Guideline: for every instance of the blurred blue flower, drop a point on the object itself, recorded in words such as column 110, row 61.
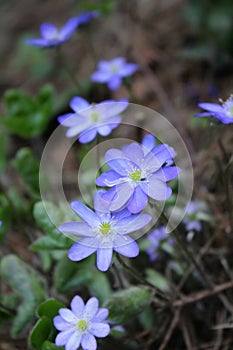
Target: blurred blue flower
column 112, row 72
column 81, row 324
column 136, row 174
column 88, row 120
column 191, row 221
column 52, row 36
column 155, row 238
column 223, row 112
column 102, row 232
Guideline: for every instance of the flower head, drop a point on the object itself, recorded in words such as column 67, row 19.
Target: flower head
column 103, row 231
column 192, row 218
column 112, row 72
column 135, row 174
column 52, row 36
column 88, row 120
column 223, row 112
column 81, row 324
column 155, row 238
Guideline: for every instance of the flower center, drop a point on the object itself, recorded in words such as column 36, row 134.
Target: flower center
column 105, row 228
column 135, row 175
column 114, row 69
column 82, row 325
column 94, row 117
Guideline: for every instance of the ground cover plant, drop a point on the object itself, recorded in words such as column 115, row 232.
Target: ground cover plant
column 116, row 201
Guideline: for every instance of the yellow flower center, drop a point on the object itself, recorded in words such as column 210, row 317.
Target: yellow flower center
column 105, row 228
column 82, row 325
column 94, row 116
column 135, row 175
column 114, row 69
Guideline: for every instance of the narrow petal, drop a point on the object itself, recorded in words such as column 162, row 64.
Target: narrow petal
column 158, row 189
column 104, row 129
column 74, row 341
column 77, row 306
column 167, row 173
column 138, row 201
column 88, row 342
column 101, row 315
column 63, row 337
column 86, row 214
column 78, row 104
column 107, row 109
column 130, row 250
column 117, row 161
column 104, row 258
column 132, row 223
column 38, row 42
column 128, row 69
column 100, row 330
column 87, row 136
column 66, row 118
column 148, row 142
column 48, row 31
column 76, row 228
column 77, row 129
column 123, row 193
column 134, row 153
column 68, row 29
column 100, row 205
column 79, row 252
column 211, row 107
column 100, row 76
column 108, row 178
column 115, row 82
column 67, row 315
column 91, row 308
column 60, row 324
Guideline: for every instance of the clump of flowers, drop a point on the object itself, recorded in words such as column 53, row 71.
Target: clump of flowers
column 112, row 72
column 103, row 232
column 81, row 324
column 88, row 120
column 135, row 174
column 52, row 36
column 195, row 212
column 223, row 112
column 155, row 238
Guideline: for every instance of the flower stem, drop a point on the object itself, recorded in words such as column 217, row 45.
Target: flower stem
column 228, row 189
column 140, row 278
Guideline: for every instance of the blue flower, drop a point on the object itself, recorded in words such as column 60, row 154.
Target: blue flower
column 135, row 174
column 102, row 232
column 88, row 120
column 223, row 112
column 191, row 219
column 155, row 238
column 52, row 36
column 81, row 324
column 112, row 72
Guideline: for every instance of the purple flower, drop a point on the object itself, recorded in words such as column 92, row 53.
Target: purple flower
column 224, row 112
column 155, row 238
column 81, row 324
column 112, row 72
column 136, row 174
column 191, row 220
column 102, row 232
column 0, row 223
column 52, row 36
column 88, row 120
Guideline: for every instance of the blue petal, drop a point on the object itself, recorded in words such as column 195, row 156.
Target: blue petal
column 100, row 77
column 128, row 69
column 48, row 31
column 74, row 341
column 132, row 223
column 88, row 342
column 167, row 173
column 91, row 308
column 77, row 306
column 211, row 107
column 101, row 315
column 148, row 142
column 158, row 189
column 63, row 337
column 76, row 228
column 108, row 178
column 138, row 201
column 68, row 29
column 60, row 324
column 100, row 330
column 79, row 252
column 104, row 258
column 78, row 104
column 130, row 250
column 104, row 129
column 123, row 193
column 67, row 315
column 38, row 42
column 114, row 82
column 134, row 153
column 87, row 136
column 85, row 213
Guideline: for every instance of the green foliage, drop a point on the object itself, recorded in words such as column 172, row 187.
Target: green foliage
column 104, row 6
column 158, row 280
column 28, row 117
column 3, row 150
column 27, row 285
column 28, row 167
column 5, row 216
column 44, row 331
column 54, row 239
column 126, row 304
column 77, row 275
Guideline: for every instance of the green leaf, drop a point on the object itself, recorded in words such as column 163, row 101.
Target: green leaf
column 126, row 304
column 3, row 150
column 40, row 333
column 83, row 273
column 158, row 280
column 28, row 167
column 5, row 315
column 28, row 117
column 50, row 346
column 49, row 308
column 5, row 216
column 27, row 284
column 55, row 238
